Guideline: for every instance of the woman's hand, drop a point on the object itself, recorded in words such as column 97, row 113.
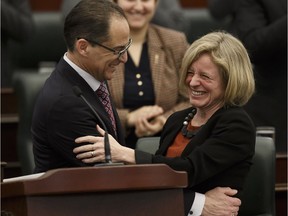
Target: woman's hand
column 149, row 128
column 145, row 112
column 95, row 151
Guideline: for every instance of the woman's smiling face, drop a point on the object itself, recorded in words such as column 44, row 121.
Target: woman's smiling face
column 139, row 13
column 206, row 89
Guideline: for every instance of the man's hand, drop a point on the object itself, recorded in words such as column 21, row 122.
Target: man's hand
column 219, row 202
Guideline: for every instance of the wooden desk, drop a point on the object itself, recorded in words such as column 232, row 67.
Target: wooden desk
column 115, row 190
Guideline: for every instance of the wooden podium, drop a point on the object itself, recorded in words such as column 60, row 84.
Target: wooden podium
column 137, row 190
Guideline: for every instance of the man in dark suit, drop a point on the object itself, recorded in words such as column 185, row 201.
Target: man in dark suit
column 97, row 38
column 97, row 43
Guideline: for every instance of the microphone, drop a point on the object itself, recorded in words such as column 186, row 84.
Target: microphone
column 108, row 161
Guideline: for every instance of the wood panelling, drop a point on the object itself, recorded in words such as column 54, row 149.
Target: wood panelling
column 50, row 5
column 281, row 184
column 9, row 126
column 281, row 202
column 281, row 168
column 8, row 101
column 54, row 5
column 193, row 3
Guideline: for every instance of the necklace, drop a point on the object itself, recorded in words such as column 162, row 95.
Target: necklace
column 188, row 118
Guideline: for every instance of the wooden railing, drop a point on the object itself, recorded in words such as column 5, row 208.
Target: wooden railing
column 54, row 5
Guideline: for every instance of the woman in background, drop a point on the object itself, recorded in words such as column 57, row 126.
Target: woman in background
column 146, row 87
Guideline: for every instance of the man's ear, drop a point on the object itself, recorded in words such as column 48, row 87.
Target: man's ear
column 82, row 46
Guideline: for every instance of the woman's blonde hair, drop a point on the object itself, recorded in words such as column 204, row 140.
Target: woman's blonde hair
column 232, row 59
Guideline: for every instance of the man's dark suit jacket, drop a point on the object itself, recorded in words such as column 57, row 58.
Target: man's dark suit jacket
column 60, row 117
column 220, row 154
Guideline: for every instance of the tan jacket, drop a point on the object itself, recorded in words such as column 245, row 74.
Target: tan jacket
column 166, row 49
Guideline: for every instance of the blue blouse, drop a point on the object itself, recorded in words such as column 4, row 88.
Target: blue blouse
column 138, row 87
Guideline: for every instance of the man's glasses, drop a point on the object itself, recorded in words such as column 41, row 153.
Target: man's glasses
column 120, row 53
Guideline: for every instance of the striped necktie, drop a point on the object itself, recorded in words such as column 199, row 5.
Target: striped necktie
column 103, row 95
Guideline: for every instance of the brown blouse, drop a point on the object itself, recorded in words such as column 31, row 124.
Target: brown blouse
column 180, row 143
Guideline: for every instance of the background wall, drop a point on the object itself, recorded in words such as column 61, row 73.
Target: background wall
column 54, row 5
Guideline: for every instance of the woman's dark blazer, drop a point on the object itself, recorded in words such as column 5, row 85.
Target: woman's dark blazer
column 60, row 117
column 220, row 154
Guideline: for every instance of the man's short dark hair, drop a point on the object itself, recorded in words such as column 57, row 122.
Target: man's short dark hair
column 90, row 19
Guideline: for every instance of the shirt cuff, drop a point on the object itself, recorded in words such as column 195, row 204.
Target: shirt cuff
column 198, row 205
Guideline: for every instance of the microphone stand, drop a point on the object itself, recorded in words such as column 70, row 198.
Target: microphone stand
column 107, row 150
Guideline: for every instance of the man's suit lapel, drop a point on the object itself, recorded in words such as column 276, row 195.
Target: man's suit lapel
column 75, row 79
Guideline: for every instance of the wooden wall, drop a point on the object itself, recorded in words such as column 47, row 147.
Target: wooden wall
column 50, row 5
column 54, row 5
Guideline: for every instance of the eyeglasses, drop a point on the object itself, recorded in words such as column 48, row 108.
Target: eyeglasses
column 120, row 53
